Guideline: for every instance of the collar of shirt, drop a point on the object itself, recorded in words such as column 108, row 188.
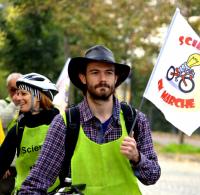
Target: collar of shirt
column 86, row 113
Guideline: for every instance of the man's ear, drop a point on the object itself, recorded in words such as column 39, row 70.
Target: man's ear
column 82, row 78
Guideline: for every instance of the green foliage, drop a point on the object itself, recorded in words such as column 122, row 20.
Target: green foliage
column 3, row 92
column 32, row 39
column 181, row 149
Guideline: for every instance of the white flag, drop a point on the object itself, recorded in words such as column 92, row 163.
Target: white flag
column 174, row 85
column 63, row 82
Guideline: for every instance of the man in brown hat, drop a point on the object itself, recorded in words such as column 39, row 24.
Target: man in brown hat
column 105, row 158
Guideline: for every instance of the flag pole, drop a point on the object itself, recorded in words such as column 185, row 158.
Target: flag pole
column 135, row 119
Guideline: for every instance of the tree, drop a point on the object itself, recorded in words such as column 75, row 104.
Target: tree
column 32, row 39
column 120, row 25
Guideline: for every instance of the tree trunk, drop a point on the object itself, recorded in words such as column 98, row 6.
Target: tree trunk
column 181, row 138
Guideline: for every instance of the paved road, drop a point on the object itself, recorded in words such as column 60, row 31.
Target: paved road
column 179, row 177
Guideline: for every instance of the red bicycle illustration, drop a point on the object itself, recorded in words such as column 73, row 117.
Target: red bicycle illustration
column 184, row 79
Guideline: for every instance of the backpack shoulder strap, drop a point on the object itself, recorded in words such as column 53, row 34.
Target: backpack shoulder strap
column 129, row 116
column 72, row 121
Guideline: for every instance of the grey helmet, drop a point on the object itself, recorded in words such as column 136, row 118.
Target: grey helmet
column 40, row 82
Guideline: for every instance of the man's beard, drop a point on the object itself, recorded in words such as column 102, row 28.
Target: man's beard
column 104, row 94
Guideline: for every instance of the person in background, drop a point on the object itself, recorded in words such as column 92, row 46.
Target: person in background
column 8, row 106
column 35, row 95
column 8, row 114
column 106, row 158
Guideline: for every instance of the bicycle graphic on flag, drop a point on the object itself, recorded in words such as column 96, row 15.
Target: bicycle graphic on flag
column 184, row 74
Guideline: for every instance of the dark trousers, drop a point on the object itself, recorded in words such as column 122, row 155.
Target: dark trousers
column 7, row 185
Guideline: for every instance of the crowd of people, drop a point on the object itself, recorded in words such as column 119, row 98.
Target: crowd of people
column 106, row 158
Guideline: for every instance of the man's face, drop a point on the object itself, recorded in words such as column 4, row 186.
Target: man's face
column 100, row 79
column 12, row 90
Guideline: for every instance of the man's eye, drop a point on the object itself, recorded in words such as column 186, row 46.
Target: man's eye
column 94, row 72
column 110, row 72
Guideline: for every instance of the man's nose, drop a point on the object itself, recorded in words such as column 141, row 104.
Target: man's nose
column 102, row 76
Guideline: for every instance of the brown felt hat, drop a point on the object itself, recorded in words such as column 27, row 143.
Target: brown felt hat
column 97, row 53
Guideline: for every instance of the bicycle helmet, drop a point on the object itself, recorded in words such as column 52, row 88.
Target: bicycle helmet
column 39, row 82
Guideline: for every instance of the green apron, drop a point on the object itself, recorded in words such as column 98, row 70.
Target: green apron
column 31, row 144
column 102, row 167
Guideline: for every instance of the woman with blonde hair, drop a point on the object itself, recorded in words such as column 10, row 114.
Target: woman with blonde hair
column 35, row 95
